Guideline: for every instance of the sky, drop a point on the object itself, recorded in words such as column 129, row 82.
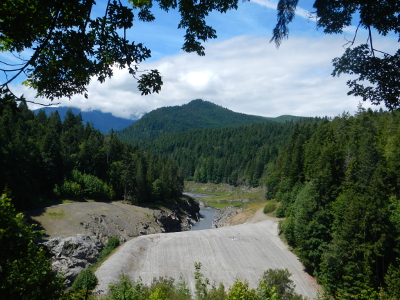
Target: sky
column 241, row 70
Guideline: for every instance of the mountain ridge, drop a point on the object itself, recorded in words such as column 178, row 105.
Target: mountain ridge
column 101, row 121
column 197, row 114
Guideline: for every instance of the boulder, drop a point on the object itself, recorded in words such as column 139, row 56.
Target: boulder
column 69, row 256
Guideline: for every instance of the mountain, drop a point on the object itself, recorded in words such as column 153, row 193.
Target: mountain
column 197, row 114
column 239, row 155
column 101, row 121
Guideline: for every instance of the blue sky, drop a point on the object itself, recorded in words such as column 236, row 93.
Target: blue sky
column 241, row 70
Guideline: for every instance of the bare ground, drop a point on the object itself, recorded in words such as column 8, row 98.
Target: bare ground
column 253, row 214
column 235, row 252
column 94, row 218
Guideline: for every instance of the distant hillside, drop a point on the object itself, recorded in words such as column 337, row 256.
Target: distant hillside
column 197, row 114
column 101, row 121
column 286, row 118
column 240, row 155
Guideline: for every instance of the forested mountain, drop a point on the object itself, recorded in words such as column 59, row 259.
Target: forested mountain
column 242, row 155
column 101, row 121
column 339, row 189
column 337, row 181
column 196, row 114
column 42, row 157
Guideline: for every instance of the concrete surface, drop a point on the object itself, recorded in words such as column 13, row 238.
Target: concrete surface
column 236, row 252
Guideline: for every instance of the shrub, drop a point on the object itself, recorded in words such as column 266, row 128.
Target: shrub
column 93, row 186
column 240, row 290
column 269, row 207
column 86, row 281
column 158, row 294
column 112, row 244
column 84, row 185
column 279, row 279
column 71, row 189
column 165, row 288
column 123, row 290
column 25, row 271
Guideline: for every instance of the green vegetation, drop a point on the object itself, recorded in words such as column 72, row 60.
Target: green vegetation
column 222, row 204
column 85, row 282
column 195, row 115
column 243, row 155
column 377, row 70
column 274, row 285
column 56, row 214
column 61, row 47
column 44, row 158
column 238, row 201
column 210, row 188
column 269, row 207
column 109, row 248
column 223, row 195
column 338, row 187
column 337, row 180
column 25, row 271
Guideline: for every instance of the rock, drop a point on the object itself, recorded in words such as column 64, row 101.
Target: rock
column 105, row 227
column 69, row 256
column 223, row 214
column 180, row 216
column 168, row 220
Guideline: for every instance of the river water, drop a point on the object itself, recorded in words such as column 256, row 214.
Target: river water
column 206, row 213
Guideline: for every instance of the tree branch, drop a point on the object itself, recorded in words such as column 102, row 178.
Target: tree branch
column 37, row 51
column 370, row 40
column 354, row 38
column 11, row 65
column 22, row 99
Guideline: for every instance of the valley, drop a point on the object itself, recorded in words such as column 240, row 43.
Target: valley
column 332, row 183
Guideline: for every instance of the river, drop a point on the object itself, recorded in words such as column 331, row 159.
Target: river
column 206, row 213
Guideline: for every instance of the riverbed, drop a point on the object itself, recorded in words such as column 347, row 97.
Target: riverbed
column 206, row 213
column 207, row 216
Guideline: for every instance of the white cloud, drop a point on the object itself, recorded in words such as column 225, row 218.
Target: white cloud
column 244, row 74
column 273, row 4
column 303, row 13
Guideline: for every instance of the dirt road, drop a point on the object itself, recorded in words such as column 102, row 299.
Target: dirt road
column 236, row 252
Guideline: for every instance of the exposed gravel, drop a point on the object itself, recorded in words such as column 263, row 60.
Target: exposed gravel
column 222, row 215
column 235, row 252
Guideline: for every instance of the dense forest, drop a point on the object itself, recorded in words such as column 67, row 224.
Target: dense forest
column 242, row 155
column 337, row 181
column 338, row 184
column 197, row 114
column 44, row 157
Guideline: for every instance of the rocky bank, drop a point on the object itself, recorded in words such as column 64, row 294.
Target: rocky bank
column 77, row 232
column 222, row 215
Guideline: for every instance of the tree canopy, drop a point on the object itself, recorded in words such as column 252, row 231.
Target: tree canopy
column 62, row 45
column 378, row 72
column 25, row 271
column 45, row 158
column 337, row 184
